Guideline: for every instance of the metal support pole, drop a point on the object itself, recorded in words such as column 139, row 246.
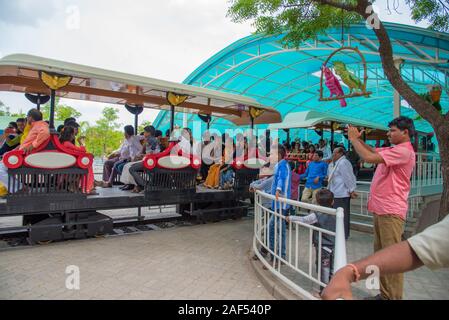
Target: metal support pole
column 139, row 213
column 172, row 119
column 136, row 123
column 332, row 136
column 52, row 109
column 38, row 105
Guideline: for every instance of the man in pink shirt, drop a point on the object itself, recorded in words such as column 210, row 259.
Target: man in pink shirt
column 390, row 188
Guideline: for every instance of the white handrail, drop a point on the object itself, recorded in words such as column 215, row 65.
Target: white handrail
column 294, row 252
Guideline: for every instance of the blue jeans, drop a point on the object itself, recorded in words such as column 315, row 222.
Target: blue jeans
column 225, row 176
column 281, row 227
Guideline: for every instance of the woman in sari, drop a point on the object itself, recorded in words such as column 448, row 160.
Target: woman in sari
column 66, row 138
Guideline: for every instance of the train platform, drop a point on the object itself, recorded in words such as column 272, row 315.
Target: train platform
column 176, row 261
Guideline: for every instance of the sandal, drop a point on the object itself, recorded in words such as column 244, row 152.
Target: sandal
column 136, row 190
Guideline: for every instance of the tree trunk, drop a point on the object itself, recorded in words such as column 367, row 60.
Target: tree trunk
column 439, row 123
column 443, row 142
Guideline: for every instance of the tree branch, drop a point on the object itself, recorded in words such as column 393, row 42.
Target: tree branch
column 338, row 5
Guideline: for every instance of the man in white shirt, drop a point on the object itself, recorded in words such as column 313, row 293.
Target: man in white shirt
column 128, row 151
column 327, row 152
column 342, row 183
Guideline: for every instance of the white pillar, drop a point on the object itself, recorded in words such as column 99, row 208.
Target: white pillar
column 184, row 119
column 396, row 96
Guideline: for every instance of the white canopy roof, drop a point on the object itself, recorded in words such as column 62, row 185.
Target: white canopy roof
column 20, row 73
column 309, row 119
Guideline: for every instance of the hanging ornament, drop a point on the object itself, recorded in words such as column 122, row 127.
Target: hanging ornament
column 357, row 88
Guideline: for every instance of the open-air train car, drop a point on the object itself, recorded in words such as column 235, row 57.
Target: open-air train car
column 51, row 180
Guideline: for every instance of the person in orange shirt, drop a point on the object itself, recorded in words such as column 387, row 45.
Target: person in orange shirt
column 38, row 134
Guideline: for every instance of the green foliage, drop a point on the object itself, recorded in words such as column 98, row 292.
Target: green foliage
column 62, row 111
column 300, row 19
column 436, row 12
column 305, row 19
column 104, row 137
column 5, row 112
column 143, row 125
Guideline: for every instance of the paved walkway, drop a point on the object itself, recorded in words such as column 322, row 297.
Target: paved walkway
column 195, row 262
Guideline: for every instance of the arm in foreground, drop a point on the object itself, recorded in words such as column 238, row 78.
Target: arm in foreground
column 398, row 258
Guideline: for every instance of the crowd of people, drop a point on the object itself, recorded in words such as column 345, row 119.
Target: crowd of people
column 329, row 176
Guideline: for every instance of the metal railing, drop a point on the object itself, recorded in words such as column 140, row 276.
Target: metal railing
column 297, row 257
column 361, row 208
column 427, row 173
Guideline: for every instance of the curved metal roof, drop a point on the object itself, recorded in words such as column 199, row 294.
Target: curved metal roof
column 287, row 79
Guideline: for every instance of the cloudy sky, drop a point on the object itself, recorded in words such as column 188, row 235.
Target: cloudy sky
column 165, row 39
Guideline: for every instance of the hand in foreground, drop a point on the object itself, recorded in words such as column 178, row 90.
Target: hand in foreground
column 354, row 133
column 354, row 195
column 340, row 286
column 27, row 150
column 316, row 180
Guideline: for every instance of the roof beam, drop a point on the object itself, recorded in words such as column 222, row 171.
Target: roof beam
column 36, row 86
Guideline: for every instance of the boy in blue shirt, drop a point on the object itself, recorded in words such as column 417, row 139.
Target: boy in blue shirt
column 315, row 174
column 281, row 187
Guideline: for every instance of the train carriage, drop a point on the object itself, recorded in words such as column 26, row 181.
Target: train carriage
column 48, row 185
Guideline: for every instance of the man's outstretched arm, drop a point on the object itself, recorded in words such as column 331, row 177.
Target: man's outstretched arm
column 398, row 258
column 365, row 152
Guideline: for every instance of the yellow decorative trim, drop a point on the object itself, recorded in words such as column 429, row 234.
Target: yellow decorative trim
column 54, row 81
column 175, row 99
column 255, row 112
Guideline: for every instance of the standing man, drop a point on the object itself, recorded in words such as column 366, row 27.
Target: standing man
column 342, row 183
column 315, row 174
column 388, row 200
column 280, row 187
column 327, row 152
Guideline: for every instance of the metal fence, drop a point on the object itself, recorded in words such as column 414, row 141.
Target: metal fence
column 297, row 264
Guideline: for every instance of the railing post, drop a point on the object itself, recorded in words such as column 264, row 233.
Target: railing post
column 340, row 241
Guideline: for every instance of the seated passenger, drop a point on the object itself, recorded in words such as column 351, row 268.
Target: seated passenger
column 226, row 177
column 129, row 149
column 66, row 138
column 38, row 134
column 11, row 138
column 151, row 145
column 187, row 145
column 220, row 173
column 75, row 127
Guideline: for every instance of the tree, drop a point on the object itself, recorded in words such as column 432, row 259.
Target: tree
column 62, row 111
column 103, row 138
column 4, row 110
column 143, row 125
column 303, row 19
